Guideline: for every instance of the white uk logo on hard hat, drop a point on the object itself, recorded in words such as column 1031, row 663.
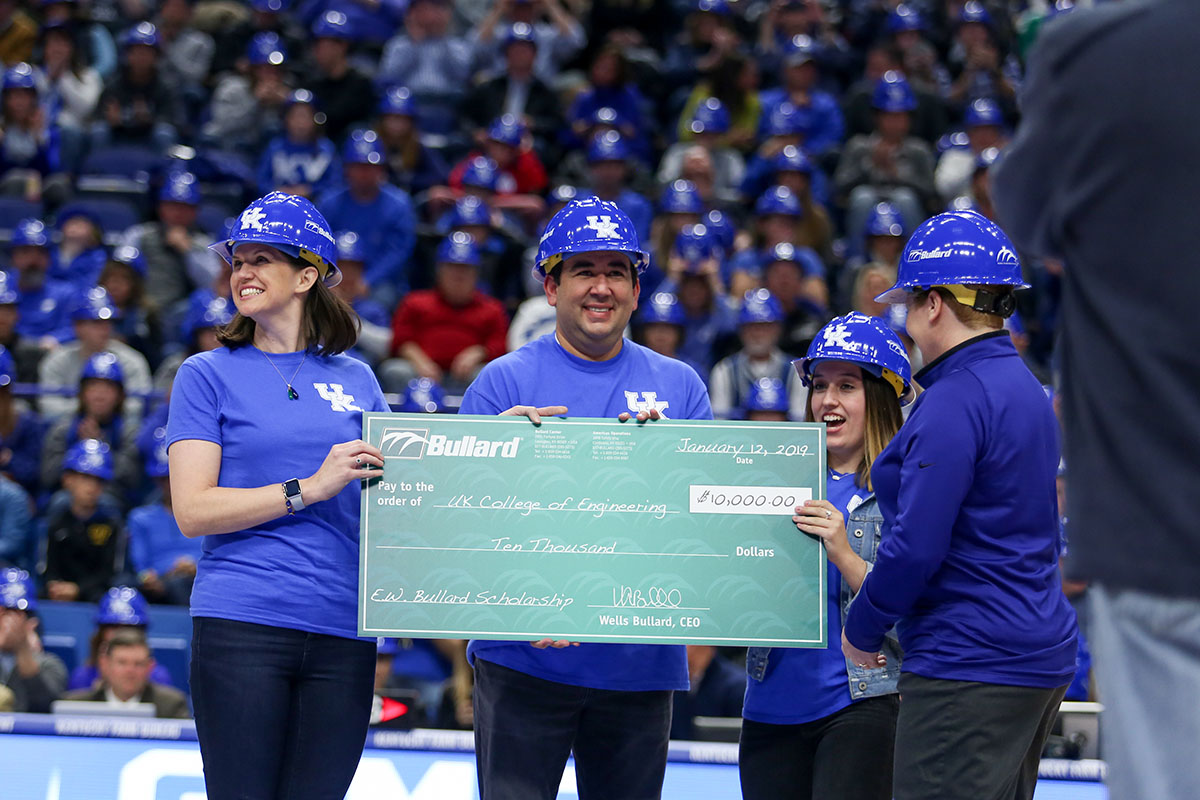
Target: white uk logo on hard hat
column 604, row 227
column 837, row 336
column 252, row 218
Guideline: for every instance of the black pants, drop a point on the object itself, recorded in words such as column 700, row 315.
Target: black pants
column 845, row 756
column 281, row 714
column 526, row 728
column 975, row 741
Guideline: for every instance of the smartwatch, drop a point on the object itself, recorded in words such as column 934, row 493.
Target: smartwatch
column 292, row 496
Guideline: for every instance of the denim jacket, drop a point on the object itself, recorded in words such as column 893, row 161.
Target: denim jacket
column 864, row 530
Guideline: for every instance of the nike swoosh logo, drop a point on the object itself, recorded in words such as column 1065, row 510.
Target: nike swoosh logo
column 924, row 464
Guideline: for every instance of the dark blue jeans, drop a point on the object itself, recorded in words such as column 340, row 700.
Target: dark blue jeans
column 526, row 728
column 280, row 713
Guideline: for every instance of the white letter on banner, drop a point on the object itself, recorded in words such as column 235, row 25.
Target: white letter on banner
column 139, row 778
column 444, row 780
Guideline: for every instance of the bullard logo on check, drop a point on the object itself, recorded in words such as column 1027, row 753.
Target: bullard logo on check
column 416, row 443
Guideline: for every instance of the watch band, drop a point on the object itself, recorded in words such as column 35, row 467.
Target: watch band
column 292, row 496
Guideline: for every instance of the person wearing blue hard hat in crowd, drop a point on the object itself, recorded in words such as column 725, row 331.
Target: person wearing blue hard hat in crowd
column 610, row 172
column 89, row 38
column 871, row 274
column 44, row 303
column 817, row 724
column 381, row 214
column 500, row 246
column 520, row 174
column 263, row 16
column 137, row 320
column 679, row 205
column 187, row 52
column 793, row 169
column 301, row 160
column 248, row 103
column 930, row 117
column 612, row 99
column 139, row 105
column 98, row 416
column 345, row 95
column 888, row 164
column 708, row 33
column 163, row 559
column 789, row 275
column 611, row 703
column 206, row 313
column 708, row 128
column 779, row 214
column 548, row 23
column 978, row 62
column 449, row 332
column 984, row 128
column 21, row 430
column 760, row 328
column 80, row 254
column 93, row 317
column 660, row 325
column 422, row 396
column 85, row 534
column 767, row 401
column 33, row 677
column 367, row 26
column 266, row 464
column 30, row 158
column 121, row 608
column 800, row 77
column 908, row 31
column 411, row 165
column 967, row 489
column 375, row 332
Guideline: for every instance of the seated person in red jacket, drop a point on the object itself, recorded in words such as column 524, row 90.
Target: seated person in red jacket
column 521, row 178
column 449, row 332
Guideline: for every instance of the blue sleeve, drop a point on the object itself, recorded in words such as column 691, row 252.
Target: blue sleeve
column 829, row 126
column 389, row 265
column 813, row 266
column 940, row 442
column 104, row 51
column 755, row 178
column 195, row 406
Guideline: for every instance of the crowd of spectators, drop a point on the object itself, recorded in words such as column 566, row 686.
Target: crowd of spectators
column 772, row 154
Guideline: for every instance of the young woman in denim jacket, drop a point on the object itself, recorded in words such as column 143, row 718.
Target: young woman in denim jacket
column 816, row 725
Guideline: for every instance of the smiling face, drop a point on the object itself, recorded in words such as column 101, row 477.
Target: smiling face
column 263, row 280
column 594, row 297
column 838, row 399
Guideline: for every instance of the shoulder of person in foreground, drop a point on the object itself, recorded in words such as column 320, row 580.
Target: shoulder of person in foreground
column 671, row 372
column 498, row 385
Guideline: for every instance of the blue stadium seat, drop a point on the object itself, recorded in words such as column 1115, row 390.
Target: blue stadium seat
column 124, row 161
column 15, row 209
column 65, row 646
column 173, row 653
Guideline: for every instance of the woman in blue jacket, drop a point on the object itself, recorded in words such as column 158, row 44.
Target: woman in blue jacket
column 817, row 725
column 968, row 570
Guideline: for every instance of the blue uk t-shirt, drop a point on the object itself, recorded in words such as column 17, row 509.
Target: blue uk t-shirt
column 543, row 373
column 805, row 685
column 296, row 571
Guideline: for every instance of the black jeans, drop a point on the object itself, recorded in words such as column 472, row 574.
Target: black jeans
column 847, row 755
column 526, row 728
column 969, row 740
column 280, row 713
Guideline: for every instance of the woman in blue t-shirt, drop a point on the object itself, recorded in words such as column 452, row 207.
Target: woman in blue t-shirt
column 265, row 463
column 815, row 724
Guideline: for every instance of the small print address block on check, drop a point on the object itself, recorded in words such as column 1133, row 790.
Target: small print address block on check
column 669, row 532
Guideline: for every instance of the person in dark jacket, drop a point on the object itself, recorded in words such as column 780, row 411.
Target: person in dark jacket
column 125, row 666
column 968, row 566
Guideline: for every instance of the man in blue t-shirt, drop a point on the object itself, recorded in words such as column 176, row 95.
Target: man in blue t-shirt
column 610, row 703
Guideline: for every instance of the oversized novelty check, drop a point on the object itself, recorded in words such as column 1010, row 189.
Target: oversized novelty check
column 592, row 531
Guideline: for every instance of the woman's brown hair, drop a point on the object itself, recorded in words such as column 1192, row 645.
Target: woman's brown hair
column 883, row 420
column 329, row 325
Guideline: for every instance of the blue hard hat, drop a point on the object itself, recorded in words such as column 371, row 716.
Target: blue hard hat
column 955, row 248
column 792, row 159
column 30, row 232
column 588, row 225
column 157, row 463
column 363, row 147
column 398, row 100
column 10, row 295
column 784, row 251
column 481, row 172
column 423, row 396
column 720, row 228
column 718, row 7
column 779, row 200
column 180, row 187
column 885, row 220
column 71, row 211
column 681, row 197
column 904, row 18
column 696, row 244
column 300, row 97
column 563, row 193
column 19, row 76
column 267, row 48
column 470, row 210
column 1059, row 7
column 974, row 11
column 767, row 394
column 210, row 312
column 331, row 25
column 350, row 247
column 608, row 146
column 861, row 340
column 131, row 257
column 893, row 93
column 664, row 308
column 17, row 591
column 90, row 457
column 142, row 33
column 103, row 366
column 94, row 303
column 987, row 156
column 759, row 305
column 800, row 49
column 710, row 116
column 290, row 224
column 519, row 32
column 123, row 605
column 271, row 6
column 8, row 368
column 785, row 119
column 983, row 111
column 507, row 129
column 458, row 248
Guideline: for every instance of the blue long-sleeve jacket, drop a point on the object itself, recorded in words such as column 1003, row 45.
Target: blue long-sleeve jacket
column 386, row 227
column 968, row 566
column 286, row 163
column 825, row 126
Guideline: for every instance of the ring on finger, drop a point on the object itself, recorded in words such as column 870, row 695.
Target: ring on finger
column 828, row 514
column 358, row 460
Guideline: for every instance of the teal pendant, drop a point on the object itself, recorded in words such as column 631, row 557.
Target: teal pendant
column 292, row 395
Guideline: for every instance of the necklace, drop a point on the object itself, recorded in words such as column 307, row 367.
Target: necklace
column 292, row 393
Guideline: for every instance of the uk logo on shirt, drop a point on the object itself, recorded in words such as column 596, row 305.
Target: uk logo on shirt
column 649, row 402
column 338, row 399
